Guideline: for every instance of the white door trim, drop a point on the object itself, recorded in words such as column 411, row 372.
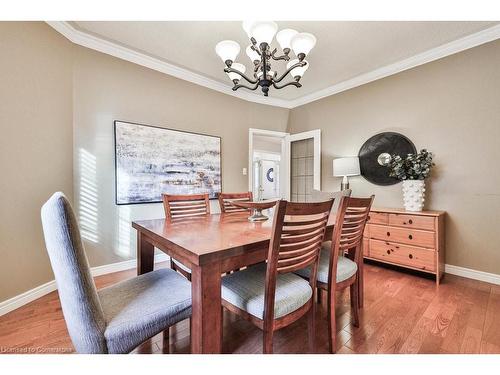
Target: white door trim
column 285, row 158
column 316, row 135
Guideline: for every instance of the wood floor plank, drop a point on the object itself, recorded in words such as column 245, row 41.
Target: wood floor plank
column 403, row 313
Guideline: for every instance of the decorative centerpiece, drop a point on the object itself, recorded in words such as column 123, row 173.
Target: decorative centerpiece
column 256, row 208
column 412, row 170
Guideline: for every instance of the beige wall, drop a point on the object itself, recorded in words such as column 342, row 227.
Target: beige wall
column 36, row 146
column 450, row 106
column 58, row 102
column 108, row 89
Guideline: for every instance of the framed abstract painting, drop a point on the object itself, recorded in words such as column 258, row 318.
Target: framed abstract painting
column 151, row 160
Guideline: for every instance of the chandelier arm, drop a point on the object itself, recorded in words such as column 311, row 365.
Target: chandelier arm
column 292, row 83
column 282, row 57
column 236, row 87
column 232, row 70
column 299, row 64
column 255, row 48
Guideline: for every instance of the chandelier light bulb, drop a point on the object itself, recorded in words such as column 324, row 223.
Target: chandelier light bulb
column 227, row 50
column 253, row 55
column 298, row 71
column 303, row 43
column 237, row 66
column 263, row 31
column 284, row 37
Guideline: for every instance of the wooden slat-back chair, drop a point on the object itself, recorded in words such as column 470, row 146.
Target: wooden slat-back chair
column 347, row 240
column 297, row 234
column 226, row 198
column 185, row 206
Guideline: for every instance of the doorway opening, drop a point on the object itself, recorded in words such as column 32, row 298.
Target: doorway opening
column 268, row 164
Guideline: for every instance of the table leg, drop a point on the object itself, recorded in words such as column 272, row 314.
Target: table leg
column 206, row 319
column 145, row 254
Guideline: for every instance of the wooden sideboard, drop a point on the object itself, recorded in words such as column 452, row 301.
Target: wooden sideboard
column 412, row 240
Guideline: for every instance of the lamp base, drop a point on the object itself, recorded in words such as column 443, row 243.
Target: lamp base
column 344, row 185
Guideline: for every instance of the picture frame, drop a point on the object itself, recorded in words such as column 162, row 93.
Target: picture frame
column 151, row 160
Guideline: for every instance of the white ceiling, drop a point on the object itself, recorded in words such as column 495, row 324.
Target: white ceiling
column 344, row 50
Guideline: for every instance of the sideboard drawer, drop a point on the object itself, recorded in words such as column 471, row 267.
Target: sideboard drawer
column 378, row 218
column 424, row 259
column 402, row 235
column 412, row 221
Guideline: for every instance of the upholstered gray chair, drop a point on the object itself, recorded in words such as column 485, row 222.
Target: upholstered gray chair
column 115, row 319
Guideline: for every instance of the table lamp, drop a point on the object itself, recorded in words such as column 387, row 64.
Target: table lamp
column 344, row 167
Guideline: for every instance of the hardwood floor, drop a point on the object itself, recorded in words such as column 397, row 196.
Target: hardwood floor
column 403, row 313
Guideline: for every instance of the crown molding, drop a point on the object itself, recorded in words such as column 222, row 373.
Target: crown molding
column 458, row 45
column 93, row 42
column 98, row 44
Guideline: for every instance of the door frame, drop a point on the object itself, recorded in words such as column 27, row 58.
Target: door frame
column 284, row 160
column 316, row 135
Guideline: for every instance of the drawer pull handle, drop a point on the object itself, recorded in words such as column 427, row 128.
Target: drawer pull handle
column 410, row 221
column 410, row 237
column 388, row 233
column 368, row 219
column 410, row 256
column 388, row 251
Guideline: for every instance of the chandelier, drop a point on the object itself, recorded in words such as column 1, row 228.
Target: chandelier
column 261, row 35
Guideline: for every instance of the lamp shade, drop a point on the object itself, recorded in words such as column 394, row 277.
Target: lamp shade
column 348, row 166
column 263, row 31
column 233, row 75
column 303, row 43
column 270, row 74
column 227, row 50
column 252, row 54
column 298, row 71
column 247, row 26
column 284, row 37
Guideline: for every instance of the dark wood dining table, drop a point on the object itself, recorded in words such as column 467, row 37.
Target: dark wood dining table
column 210, row 246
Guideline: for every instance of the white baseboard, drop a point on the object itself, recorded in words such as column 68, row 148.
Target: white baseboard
column 468, row 273
column 35, row 293
column 26, row 297
column 31, row 295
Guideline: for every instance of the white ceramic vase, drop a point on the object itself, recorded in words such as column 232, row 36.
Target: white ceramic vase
column 413, row 195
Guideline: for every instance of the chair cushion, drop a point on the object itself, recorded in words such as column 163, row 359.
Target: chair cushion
column 245, row 289
column 139, row 308
column 345, row 267
column 182, row 266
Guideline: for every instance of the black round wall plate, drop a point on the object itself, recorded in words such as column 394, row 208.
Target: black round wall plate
column 383, row 143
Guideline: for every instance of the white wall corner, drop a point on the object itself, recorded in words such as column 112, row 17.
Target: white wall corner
column 113, row 49
column 93, row 42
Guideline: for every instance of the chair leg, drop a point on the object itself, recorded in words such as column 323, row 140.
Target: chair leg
column 361, row 284
column 190, row 330
column 332, row 323
column 268, row 341
column 166, row 340
column 312, row 328
column 221, row 326
column 319, row 292
column 354, row 289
